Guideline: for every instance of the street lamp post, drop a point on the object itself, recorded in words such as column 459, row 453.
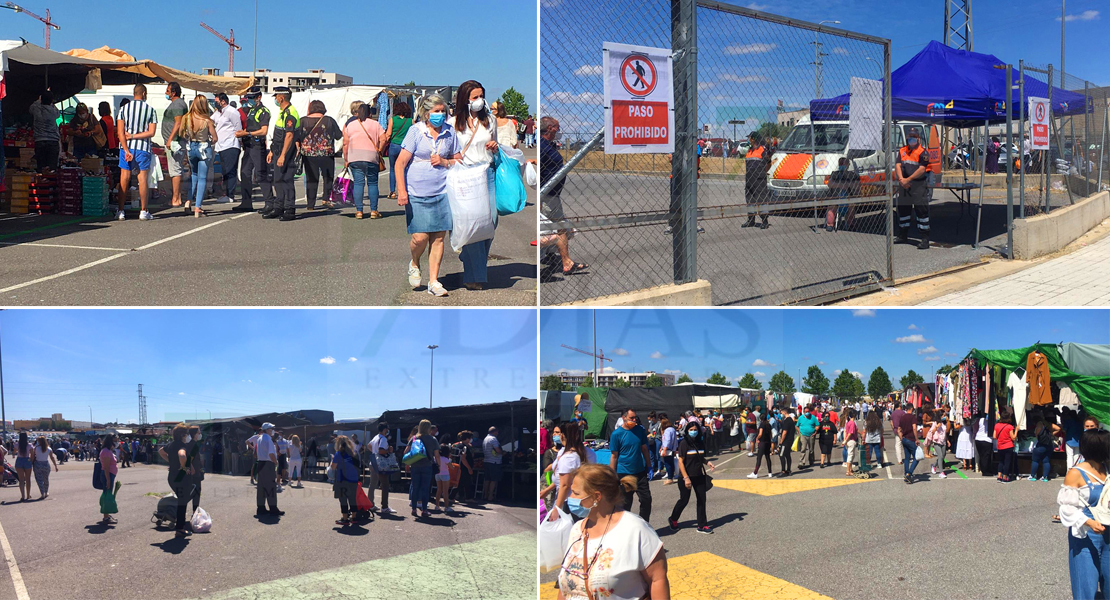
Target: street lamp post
column 431, row 375
column 3, row 411
column 818, row 55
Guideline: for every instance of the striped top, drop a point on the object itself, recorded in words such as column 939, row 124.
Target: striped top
column 137, row 116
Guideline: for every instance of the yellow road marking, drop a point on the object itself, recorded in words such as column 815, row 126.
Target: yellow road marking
column 774, row 487
column 706, row 576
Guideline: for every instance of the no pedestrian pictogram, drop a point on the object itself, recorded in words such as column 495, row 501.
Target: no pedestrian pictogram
column 638, row 75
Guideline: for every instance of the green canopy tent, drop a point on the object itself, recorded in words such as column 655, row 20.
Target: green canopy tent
column 595, row 417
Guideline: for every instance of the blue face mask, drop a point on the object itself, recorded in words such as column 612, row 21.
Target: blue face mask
column 437, row 119
column 557, row 439
column 692, row 433
column 576, row 508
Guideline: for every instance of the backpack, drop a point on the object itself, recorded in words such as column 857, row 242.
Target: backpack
column 416, row 453
column 347, row 470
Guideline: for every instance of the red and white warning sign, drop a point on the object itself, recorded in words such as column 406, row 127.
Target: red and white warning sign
column 1039, row 114
column 639, row 99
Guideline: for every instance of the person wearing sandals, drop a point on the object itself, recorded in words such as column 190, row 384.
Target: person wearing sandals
column 363, row 140
column 23, row 466
column 198, row 133
column 316, row 139
column 1087, row 537
column 429, row 149
column 108, row 497
column 181, row 473
column 421, row 471
column 477, row 134
column 42, row 456
column 296, row 461
column 347, row 466
column 399, row 125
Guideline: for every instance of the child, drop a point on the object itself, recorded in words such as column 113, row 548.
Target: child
column 443, row 480
column 939, row 443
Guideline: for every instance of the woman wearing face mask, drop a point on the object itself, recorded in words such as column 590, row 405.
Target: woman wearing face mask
column 196, row 461
column 88, row 136
column 572, row 454
column 612, row 553
column 691, row 464
column 477, row 131
column 764, row 438
column 180, row 473
column 108, row 463
column 430, row 147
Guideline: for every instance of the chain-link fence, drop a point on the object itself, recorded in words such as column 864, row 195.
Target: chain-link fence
column 803, row 216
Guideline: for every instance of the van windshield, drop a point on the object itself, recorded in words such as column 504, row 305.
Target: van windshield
column 831, row 137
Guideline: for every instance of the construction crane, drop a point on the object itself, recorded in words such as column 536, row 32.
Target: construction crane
column 231, row 45
column 47, row 23
column 600, row 356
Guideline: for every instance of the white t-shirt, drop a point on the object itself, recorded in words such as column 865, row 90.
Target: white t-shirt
column 565, row 463
column 265, row 447
column 227, row 123
column 476, row 153
column 43, row 456
column 984, row 434
column 252, row 441
column 294, row 453
column 378, row 443
column 491, row 450
column 625, row 551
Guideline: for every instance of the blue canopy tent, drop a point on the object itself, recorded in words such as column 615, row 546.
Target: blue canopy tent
column 955, row 88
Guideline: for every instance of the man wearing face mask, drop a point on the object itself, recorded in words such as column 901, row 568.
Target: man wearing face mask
column 255, row 170
column 228, row 124
column 910, row 169
column 629, row 456
column 266, row 492
column 281, row 157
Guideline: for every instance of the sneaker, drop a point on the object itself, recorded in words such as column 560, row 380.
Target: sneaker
column 673, row 524
column 386, row 509
column 751, row 454
column 934, row 470
column 753, row 476
column 436, row 289
column 223, row 200
column 705, row 529
column 942, row 476
column 769, row 475
column 146, row 216
column 414, row 275
column 120, row 216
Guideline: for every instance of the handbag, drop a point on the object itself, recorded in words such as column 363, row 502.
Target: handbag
column 416, row 453
column 381, row 161
column 708, row 482
column 388, row 463
column 341, row 187
column 99, row 482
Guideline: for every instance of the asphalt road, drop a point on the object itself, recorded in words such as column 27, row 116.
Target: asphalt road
column 878, row 539
column 62, row 551
column 323, row 258
column 785, row 263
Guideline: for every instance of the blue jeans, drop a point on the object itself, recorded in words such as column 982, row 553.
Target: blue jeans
column 668, row 463
column 364, row 175
column 394, row 152
column 653, row 450
column 1040, row 458
column 475, row 256
column 420, row 490
column 877, row 453
column 1088, row 566
column 200, row 161
column 909, row 456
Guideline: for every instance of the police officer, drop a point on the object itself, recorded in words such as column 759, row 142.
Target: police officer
column 757, row 163
column 282, row 153
column 913, row 199
column 254, row 169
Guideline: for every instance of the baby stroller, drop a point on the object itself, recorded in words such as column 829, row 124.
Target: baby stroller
column 9, row 476
column 165, row 515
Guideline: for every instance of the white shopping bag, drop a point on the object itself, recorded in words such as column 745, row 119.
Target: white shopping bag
column 468, row 193
column 201, row 521
column 554, row 537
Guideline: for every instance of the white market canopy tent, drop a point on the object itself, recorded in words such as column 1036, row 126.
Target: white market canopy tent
column 707, row 395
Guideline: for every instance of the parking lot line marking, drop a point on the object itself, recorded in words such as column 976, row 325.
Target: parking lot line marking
column 63, row 273
column 182, row 234
column 13, row 568
column 43, row 245
column 889, row 475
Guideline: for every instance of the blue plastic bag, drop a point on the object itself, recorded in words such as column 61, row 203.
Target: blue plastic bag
column 511, row 193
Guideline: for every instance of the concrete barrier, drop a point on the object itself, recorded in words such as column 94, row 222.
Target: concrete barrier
column 1045, row 234
column 697, row 293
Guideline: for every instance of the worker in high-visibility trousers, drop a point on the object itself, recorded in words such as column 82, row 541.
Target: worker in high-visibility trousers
column 910, row 168
column 757, row 164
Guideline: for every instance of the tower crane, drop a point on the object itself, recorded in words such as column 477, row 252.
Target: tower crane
column 231, row 45
column 600, row 356
column 47, row 23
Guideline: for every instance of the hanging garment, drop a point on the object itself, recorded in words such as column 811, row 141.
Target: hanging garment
column 1037, row 376
column 1017, row 396
column 1068, row 397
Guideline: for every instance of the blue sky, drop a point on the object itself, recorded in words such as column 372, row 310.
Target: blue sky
column 357, row 363
column 738, row 341
column 493, row 41
column 746, row 65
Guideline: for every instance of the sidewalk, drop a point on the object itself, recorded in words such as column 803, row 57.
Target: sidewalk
column 1081, row 278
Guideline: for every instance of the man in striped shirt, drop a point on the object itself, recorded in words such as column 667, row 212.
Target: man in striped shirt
column 135, row 123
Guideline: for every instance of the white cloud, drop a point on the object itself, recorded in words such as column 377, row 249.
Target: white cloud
column 706, row 85
column 283, row 370
column 863, row 312
column 759, row 362
column 950, row 354
column 620, row 352
column 327, row 360
column 838, row 372
column 858, row 374
column 758, row 48
column 841, row 51
column 246, row 381
column 587, row 70
column 657, row 355
column 821, row 363
column 932, row 358
column 755, row 6
column 572, row 98
column 913, row 327
column 927, row 350
column 352, row 359
column 744, row 79
column 916, row 338
column 181, row 393
column 1087, row 15
column 759, row 374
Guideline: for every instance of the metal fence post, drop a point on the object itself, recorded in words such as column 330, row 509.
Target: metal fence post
column 1086, row 133
column 1021, row 137
column 888, row 135
column 1047, row 168
column 1010, row 161
column 684, row 170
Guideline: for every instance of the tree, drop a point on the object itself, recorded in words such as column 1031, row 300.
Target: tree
column 771, row 129
column 815, row 382
column 749, row 381
column 879, row 385
column 653, row 381
column 685, row 379
column 621, row 383
column 946, row 369
column 551, row 383
column 717, row 379
column 782, row 383
column 514, row 103
column 844, row 386
column 910, row 378
column 857, row 387
column 588, row 381
column 411, row 83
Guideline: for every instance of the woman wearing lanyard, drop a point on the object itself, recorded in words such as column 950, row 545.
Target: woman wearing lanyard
column 477, row 131
column 430, row 147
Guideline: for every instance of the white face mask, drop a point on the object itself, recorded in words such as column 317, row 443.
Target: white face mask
column 477, row 105
column 188, row 439
column 199, row 436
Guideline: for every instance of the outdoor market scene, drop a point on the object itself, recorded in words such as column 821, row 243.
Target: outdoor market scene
column 737, row 453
